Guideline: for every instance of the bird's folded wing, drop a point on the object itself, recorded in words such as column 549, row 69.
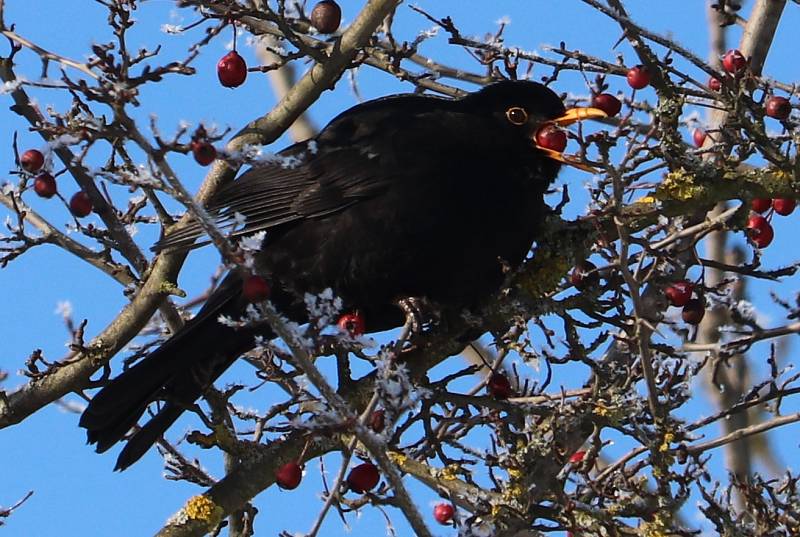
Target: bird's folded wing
column 307, row 185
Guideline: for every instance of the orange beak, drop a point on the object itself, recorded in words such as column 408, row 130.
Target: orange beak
column 573, row 115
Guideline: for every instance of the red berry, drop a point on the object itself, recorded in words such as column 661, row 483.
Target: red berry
column 289, row 475
column 443, row 513
column 760, row 230
column 499, row 386
column 352, row 323
column 255, row 288
column 638, row 77
column 551, row 137
column 698, row 137
column 784, row 206
column 734, row 61
column 326, row 16
column 607, row 103
column 363, row 477
column 204, row 153
column 80, row 205
column 778, row 107
column 694, row 311
column 377, row 420
column 32, row 160
column 577, row 456
column 584, row 275
column 45, row 185
column 714, row 84
column 232, row 70
column 760, row 205
column 679, row 293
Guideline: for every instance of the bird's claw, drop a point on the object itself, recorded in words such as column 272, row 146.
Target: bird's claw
column 420, row 313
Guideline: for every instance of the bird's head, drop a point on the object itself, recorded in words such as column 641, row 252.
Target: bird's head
column 529, row 107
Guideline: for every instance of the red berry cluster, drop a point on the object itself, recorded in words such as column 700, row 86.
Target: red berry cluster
column 679, row 294
column 759, row 228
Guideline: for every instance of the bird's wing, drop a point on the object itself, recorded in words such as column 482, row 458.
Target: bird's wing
column 357, row 156
column 290, row 188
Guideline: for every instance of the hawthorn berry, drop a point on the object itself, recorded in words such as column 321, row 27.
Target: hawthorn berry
column 760, row 205
column 638, row 77
column 377, row 420
column 363, row 477
column 607, row 103
column 679, row 293
column 734, row 61
column 584, row 275
column 760, row 230
column 45, row 185
column 80, row 205
column 204, row 153
column 232, row 70
column 352, row 323
column 255, row 288
column 443, row 513
column 326, row 16
column 499, row 386
column 784, row 206
column 778, row 107
column 577, row 456
column 551, row 137
column 714, row 84
column 698, row 137
column 694, row 311
column 289, row 475
column 32, row 160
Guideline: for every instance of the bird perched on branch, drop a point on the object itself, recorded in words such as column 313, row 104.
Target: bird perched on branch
column 403, row 196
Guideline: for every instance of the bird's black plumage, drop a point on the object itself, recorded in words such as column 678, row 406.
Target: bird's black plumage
column 404, row 196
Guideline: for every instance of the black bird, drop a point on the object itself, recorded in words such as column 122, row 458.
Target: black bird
column 404, row 196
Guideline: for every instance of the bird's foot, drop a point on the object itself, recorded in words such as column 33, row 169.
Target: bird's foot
column 420, row 313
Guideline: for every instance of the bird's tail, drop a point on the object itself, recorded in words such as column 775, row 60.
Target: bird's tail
column 178, row 372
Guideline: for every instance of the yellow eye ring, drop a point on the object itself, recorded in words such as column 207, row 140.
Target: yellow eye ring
column 517, row 116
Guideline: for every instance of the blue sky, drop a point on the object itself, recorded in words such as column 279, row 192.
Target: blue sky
column 75, row 490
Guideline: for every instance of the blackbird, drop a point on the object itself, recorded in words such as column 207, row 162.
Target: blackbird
column 404, row 196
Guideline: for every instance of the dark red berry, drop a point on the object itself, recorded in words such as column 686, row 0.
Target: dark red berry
column 778, row 107
column 760, row 230
column 551, row 137
column 443, row 513
column 784, row 206
column 607, row 103
column 499, row 386
column 584, row 275
column 32, row 160
column 80, row 205
column 45, row 185
column 714, row 84
column 352, row 323
column 577, row 456
column 760, row 205
column 679, row 293
column 734, row 61
column 698, row 137
column 363, row 477
column 255, row 289
column 204, row 153
column 289, row 475
column 694, row 311
column 638, row 77
column 232, row 70
column 377, row 420
column 326, row 16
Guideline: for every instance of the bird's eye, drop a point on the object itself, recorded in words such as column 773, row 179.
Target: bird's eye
column 517, row 115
